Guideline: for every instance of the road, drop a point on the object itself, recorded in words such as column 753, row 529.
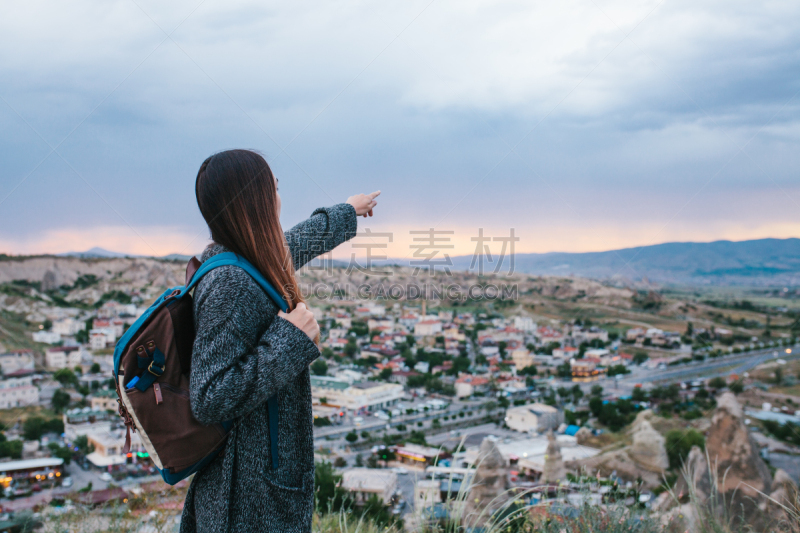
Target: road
column 721, row 366
column 372, row 423
column 707, row 369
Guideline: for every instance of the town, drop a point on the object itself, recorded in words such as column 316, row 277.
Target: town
column 423, row 406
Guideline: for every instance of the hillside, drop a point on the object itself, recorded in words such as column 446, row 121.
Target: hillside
column 32, row 287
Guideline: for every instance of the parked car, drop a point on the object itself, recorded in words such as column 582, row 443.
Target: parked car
column 66, row 482
column 105, row 476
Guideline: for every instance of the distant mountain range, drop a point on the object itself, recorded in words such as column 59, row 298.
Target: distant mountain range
column 770, row 262
column 102, row 253
column 756, row 262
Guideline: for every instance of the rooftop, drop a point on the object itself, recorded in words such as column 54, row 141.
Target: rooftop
column 31, row 463
column 368, row 479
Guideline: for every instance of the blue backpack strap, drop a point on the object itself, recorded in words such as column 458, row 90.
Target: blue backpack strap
column 230, row 258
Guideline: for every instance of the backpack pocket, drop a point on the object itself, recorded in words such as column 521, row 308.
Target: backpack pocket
column 165, row 415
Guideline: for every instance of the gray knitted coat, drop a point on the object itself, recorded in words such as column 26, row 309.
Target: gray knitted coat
column 243, row 354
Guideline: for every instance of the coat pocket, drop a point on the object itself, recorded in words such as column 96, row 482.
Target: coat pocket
column 285, row 481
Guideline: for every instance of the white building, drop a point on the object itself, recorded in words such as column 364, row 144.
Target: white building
column 567, row 352
column 84, row 422
column 534, row 418
column 428, row 327
column 108, row 447
column 100, row 339
column 597, row 353
column 68, row 326
column 363, row 483
column 17, row 392
column 522, row 358
column 524, row 323
column 64, row 357
column 13, row 362
column 46, row 337
column 367, row 395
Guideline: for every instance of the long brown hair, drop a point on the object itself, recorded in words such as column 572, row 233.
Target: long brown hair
column 237, row 196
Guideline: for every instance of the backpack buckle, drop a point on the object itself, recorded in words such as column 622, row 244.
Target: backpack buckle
column 156, row 371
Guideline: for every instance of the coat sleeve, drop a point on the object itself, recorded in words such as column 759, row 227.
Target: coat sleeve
column 327, row 228
column 231, row 374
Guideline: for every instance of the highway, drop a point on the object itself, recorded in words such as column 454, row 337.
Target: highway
column 720, row 366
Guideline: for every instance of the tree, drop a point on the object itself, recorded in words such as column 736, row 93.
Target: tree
column 640, row 357
column 95, row 369
column 460, row 364
column 737, row 387
column 11, row 448
column 65, row 376
column 638, row 395
column 331, row 498
column 60, row 400
column 564, row 371
column 83, row 445
column 615, row 370
column 62, row 452
column 597, row 390
column 351, row 348
column 778, row 376
column 340, row 462
column 319, row 367
column 501, row 347
column 351, row 437
column 377, row 513
column 529, row 370
column 679, row 444
column 717, row 383
column 595, row 405
column 417, row 437
column 33, row 428
column 577, row 393
column 385, row 374
column 47, row 325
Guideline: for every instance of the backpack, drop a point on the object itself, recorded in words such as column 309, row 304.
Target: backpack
column 152, row 361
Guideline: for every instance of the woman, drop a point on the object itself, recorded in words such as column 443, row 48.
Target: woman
column 246, row 350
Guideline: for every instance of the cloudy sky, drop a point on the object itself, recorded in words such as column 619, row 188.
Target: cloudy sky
column 582, row 124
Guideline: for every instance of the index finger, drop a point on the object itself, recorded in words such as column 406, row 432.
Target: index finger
column 374, row 194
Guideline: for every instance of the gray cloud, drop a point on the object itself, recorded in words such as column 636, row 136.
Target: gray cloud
column 604, row 124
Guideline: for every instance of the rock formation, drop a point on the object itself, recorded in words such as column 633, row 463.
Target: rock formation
column 695, row 477
column 583, row 435
column 783, row 495
column 648, row 448
column 554, row 470
column 488, row 489
column 733, row 453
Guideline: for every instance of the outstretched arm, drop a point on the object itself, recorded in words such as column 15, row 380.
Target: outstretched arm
column 327, row 228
